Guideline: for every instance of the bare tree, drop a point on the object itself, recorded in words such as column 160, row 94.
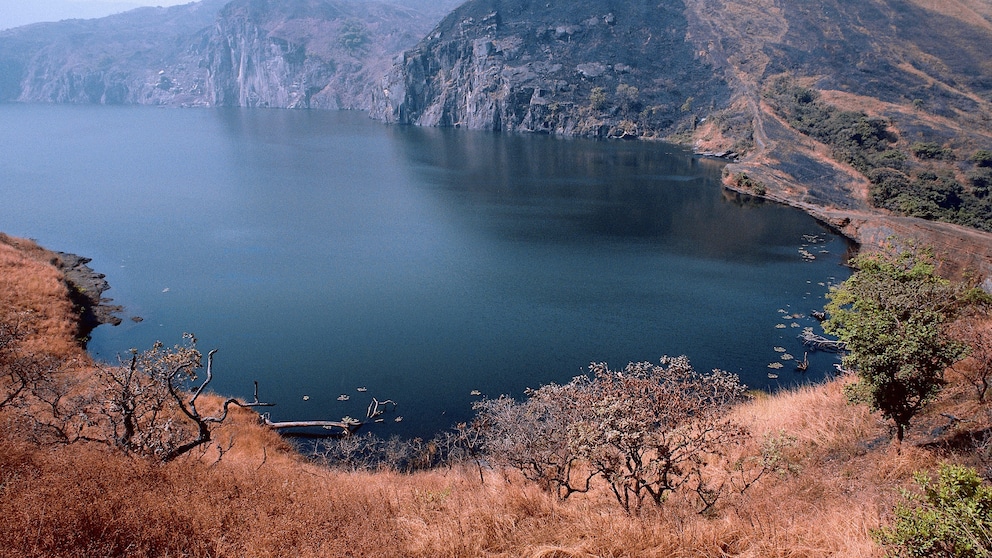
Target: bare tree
column 149, row 408
column 52, row 405
column 656, row 427
column 20, row 371
column 533, row 437
column 58, row 410
column 647, row 431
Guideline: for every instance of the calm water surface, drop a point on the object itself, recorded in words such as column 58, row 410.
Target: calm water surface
column 321, row 252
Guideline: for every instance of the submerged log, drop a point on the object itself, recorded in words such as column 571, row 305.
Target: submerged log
column 346, row 426
column 820, row 343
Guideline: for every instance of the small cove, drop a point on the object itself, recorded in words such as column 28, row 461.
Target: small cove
column 321, row 253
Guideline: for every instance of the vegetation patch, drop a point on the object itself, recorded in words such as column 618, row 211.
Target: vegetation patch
column 923, row 179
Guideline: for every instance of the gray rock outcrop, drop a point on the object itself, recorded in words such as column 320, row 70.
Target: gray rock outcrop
column 252, row 53
column 571, row 67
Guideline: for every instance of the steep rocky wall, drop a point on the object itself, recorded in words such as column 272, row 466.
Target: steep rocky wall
column 253, row 53
column 579, row 67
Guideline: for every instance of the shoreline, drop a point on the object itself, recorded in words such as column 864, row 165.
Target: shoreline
column 964, row 253
column 85, row 287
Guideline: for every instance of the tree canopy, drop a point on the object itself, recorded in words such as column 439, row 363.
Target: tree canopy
column 891, row 313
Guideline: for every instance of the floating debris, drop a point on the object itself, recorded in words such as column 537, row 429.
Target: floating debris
column 165, row 290
column 818, row 342
column 772, row 376
column 787, row 356
column 475, row 393
column 398, row 419
column 779, row 326
column 306, row 398
column 343, row 397
column 780, row 311
column 351, row 421
column 779, row 349
column 775, row 365
column 380, row 420
column 362, row 389
column 374, row 407
column 794, row 324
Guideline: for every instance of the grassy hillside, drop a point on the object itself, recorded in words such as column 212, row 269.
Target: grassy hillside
column 918, row 69
column 835, row 478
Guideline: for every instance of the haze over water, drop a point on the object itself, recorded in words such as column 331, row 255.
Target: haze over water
column 321, row 252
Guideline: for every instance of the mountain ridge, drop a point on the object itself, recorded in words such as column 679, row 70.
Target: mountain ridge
column 287, row 54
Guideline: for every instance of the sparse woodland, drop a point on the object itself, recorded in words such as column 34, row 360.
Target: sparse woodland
column 655, row 459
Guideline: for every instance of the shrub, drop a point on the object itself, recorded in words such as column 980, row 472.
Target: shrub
column 931, row 150
column 647, row 431
column 982, row 158
column 891, row 314
column 742, row 180
column 597, row 98
column 951, row 516
column 981, row 182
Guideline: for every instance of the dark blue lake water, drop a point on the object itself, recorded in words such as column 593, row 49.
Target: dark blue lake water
column 321, row 252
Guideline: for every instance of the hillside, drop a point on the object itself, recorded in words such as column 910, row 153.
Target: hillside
column 607, row 69
column 830, row 476
column 706, row 72
column 289, row 54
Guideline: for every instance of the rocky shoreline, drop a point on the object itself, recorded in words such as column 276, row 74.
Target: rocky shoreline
column 86, row 288
column 963, row 253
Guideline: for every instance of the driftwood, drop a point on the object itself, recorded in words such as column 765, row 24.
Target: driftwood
column 820, row 343
column 347, row 427
column 203, row 423
column 374, row 410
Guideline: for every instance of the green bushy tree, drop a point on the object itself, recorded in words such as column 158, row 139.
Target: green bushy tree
column 891, row 314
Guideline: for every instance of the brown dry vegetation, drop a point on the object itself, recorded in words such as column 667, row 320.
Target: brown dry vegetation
column 30, row 284
column 837, row 481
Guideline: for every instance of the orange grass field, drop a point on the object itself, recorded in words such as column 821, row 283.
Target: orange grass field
column 263, row 500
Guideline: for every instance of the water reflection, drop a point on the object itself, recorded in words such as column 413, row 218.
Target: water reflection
column 540, row 188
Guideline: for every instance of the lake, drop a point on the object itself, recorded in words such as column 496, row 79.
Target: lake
column 322, row 252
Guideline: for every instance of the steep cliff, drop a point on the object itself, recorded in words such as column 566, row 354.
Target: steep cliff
column 273, row 53
column 573, row 67
column 876, row 79
column 112, row 60
column 305, row 53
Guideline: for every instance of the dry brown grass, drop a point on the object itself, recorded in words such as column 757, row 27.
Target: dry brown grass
column 30, row 285
column 255, row 497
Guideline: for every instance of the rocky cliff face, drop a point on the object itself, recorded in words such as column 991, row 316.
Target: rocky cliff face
column 113, row 60
column 305, row 53
column 575, row 67
column 271, row 53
